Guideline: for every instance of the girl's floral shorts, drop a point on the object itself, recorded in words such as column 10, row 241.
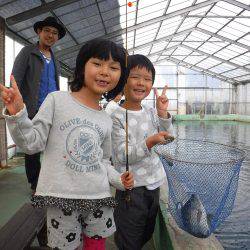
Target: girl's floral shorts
column 65, row 228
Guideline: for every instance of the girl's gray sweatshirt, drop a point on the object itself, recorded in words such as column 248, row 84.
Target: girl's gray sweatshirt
column 76, row 141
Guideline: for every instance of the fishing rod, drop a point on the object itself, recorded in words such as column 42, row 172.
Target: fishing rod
column 127, row 196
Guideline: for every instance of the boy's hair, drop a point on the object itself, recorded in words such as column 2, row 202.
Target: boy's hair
column 101, row 49
column 140, row 61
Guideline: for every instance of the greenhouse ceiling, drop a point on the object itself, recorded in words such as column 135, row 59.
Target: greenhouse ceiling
column 209, row 36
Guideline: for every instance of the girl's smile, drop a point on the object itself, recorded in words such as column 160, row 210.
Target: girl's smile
column 102, row 83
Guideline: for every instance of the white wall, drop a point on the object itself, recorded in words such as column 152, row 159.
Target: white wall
column 243, row 99
column 12, row 49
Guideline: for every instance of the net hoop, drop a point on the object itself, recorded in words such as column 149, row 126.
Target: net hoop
column 171, row 152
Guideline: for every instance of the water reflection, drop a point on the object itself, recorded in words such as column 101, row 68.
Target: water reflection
column 234, row 233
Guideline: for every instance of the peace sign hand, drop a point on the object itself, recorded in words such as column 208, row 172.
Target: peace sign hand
column 11, row 97
column 162, row 102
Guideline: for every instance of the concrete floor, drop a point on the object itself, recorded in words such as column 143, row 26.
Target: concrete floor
column 15, row 191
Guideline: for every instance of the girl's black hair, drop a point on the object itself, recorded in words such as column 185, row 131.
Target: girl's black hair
column 140, row 61
column 101, row 49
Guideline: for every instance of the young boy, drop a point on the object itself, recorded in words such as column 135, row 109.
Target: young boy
column 135, row 221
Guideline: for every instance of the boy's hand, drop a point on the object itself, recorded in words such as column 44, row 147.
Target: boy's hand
column 162, row 103
column 160, row 137
column 11, row 97
column 127, row 180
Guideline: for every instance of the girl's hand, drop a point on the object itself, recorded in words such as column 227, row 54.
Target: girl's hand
column 160, row 137
column 11, row 97
column 162, row 102
column 127, row 180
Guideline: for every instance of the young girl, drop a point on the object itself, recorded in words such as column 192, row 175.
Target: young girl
column 75, row 136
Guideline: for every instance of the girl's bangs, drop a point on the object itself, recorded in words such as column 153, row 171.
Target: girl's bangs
column 104, row 51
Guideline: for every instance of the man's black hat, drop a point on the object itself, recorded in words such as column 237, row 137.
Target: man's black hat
column 50, row 21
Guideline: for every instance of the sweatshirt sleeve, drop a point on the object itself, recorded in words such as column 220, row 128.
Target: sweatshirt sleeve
column 31, row 136
column 162, row 124
column 111, row 107
column 114, row 176
column 166, row 125
column 137, row 150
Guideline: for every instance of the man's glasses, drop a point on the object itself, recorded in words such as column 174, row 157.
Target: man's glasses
column 50, row 31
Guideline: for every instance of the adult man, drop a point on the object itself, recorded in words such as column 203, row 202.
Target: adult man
column 37, row 74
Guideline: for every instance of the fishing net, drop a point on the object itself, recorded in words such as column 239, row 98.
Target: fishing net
column 203, row 179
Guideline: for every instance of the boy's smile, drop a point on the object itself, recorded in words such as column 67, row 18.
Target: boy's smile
column 139, row 91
